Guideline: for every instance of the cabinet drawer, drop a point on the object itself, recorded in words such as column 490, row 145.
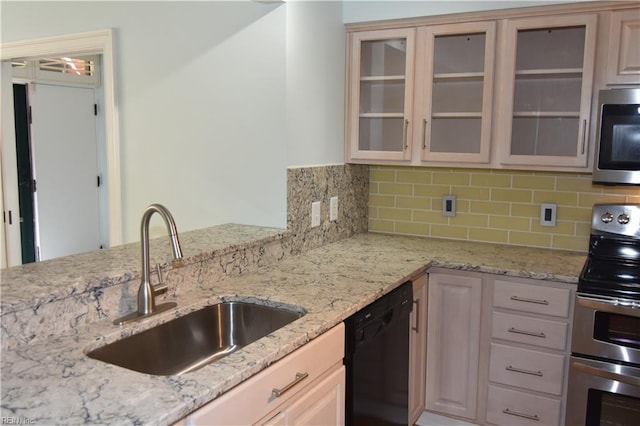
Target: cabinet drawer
column 313, row 359
column 512, row 408
column 526, row 369
column 532, row 331
column 532, row 298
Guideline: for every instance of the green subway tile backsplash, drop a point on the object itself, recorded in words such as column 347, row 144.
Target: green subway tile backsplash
column 493, row 205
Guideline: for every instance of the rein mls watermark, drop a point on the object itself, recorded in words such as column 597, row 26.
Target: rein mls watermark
column 17, row 421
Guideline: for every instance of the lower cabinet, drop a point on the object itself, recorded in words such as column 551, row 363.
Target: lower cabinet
column 453, row 343
column 512, row 407
column 498, row 348
column 418, row 349
column 529, row 351
column 323, row 404
column 305, row 387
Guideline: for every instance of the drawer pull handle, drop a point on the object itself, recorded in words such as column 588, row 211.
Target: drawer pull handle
column 527, row 300
column 528, row 333
column 417, row 303
column 523, row 415
column 277, row 393
column 424, row 134
column 404, row 134
column 523, row 371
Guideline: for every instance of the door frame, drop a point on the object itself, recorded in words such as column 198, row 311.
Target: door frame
column 95, row 42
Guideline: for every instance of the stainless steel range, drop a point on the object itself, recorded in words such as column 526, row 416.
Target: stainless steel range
column 604, row 375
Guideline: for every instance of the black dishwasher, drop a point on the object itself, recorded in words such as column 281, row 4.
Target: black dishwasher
column 377, row 361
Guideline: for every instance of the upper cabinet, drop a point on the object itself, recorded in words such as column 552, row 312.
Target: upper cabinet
column 506, row 89
column 380, row 94
column 455, row 72
column 546, row 90
column 623, row 64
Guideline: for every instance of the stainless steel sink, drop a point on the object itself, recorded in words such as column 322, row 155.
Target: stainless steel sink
column 196, row 339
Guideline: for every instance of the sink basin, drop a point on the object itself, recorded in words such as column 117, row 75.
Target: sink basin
column 196, row 339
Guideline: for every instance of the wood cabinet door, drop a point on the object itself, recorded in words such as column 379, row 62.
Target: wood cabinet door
column 322, row 404
column 317, row 360
column 453, row 344
column 623, row 66
column 454, row 82
column 380, row 95
column 418, row 349
column 545, row 89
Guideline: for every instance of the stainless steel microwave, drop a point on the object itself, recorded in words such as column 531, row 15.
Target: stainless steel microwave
column 617, row 155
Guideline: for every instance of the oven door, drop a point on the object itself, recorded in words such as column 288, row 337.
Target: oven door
column 606, row 330
column 601, row 393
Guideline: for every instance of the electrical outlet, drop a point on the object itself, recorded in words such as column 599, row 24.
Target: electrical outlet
column 548, row 213
column 315, row 214
column 333, row 209
column 448, row 205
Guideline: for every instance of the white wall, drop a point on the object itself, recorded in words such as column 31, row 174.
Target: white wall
column 204, row 90
column 315, row 83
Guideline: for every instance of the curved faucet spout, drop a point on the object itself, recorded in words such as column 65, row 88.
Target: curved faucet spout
column 146, row 295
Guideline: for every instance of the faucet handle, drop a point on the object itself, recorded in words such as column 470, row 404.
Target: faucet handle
column 159, row 273
column 161, row 287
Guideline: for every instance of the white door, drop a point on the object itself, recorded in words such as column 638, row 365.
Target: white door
column 64, row 156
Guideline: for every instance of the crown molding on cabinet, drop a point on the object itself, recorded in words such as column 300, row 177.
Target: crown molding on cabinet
column 581, row 7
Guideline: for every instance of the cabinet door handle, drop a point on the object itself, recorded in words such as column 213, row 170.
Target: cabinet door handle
column 277, row 393
column 523, row 371
column 424, row 135
column 527, row 300
column 417, row 316
column 528, row 333
column 523, row 415
column 584, row 135
column 404, row 133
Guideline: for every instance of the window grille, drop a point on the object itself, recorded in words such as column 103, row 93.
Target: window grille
column 67, row 65
column 80, row 70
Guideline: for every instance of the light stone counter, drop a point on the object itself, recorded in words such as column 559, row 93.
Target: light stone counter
column 51, row 381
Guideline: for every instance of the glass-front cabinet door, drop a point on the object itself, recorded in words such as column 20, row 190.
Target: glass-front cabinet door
column 457, row 91
column 380, row 95
column 547, row 85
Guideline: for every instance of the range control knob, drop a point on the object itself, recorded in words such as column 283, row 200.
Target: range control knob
column 606, row 217
column 623, row 219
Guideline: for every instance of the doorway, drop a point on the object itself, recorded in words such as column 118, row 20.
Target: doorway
column 61, row 194
column 96, row 42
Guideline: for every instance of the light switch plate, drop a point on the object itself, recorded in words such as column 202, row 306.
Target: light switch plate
column 333, row 209
column 548, row 214
column 448, row 205
column 315, row 214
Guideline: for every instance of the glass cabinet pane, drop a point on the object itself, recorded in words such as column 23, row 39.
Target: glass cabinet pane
column 457, row 135
column 549, row 110
column 457, row 116
column 382, row 95
column 458, row 53
column 555, row 93
column 550, row 48
column 462, row 95
column 544, row 136
column 383, row 57
column 381, row 134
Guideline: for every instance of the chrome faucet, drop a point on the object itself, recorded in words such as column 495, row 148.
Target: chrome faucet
column 147, row 292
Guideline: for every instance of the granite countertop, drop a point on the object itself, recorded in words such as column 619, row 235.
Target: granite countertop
column 53, row 382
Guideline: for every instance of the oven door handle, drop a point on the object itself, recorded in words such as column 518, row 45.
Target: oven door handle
column 629, row 375
column 604, row 305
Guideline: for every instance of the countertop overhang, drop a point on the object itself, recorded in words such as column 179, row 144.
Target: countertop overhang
column 53, row 382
